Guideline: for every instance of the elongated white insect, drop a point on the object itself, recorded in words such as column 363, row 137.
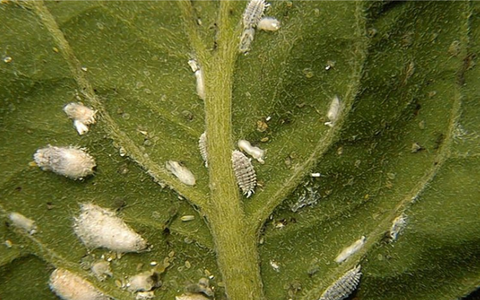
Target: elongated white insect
column 253, row 13
column 344, row 286
column 202, row 145
column 350, row 250
column 333, row 111
column 70, row 286
column 246, row 40
column 23, row 222
column 71, row 161
column 268, row 24
column 397, row 226
column 181, row 172
column 81, row 116
column 244, row 172
column 200, row 84
column 98, row 227
column 254, row 152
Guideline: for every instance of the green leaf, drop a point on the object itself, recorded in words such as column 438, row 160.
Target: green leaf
column 406, row 142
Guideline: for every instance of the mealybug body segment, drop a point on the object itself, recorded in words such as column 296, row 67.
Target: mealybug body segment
column 268, row 24
column 70, row 286
column 181, row 172
column 81, row 116
column 333, row 111
column 202, row 145
column 397, row 227
column 246, row 40
column 23, row 222
column 253, row 13
column 344, row 286
column 72, row 162
column 98, row 227
column 350, row 250
column 244, row 172
column 254, row 152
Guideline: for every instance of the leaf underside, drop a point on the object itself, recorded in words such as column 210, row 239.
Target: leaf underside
column 407, row 142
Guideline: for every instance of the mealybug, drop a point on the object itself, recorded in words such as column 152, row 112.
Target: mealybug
column 190, row 296
column 397, row 227
column 244, row 172
column 254, row 152
column 268, row 24
column 333, row 111
column 101, row 269
column 253, row 13
column 23, row 222
column 350, row 250
column 98, row 227
column 143, row 282
column 202, row 145
column 181, row 172
column 70, row 286
column 71, row 161
column 246, row 40
column 81, row 116
column 193, row 64
column 200, row 84
column 344, row 286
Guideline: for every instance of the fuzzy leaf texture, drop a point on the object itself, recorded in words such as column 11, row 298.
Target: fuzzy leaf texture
column 406, row 141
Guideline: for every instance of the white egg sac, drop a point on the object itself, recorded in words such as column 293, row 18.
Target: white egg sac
column 344, row 286
column 244, row 172
column 72, row 162
column 202, row 145
column 23, row 222
column 268, row 24
column 70, row 286
column 181, row 172
column 254, row 152
column 98, row 227
column 350, row 250
column 81, row 116
column 333, row 111
column 253, row 13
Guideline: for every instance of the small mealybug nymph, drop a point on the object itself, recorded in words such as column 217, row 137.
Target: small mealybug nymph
column 333, row 111
column 253, row 151
column 181, row 172
column 200, row 84
column 350, row 250
column 344, row 286
column 268, row 24
column 202, row 145
column 23, row 222
column 397, row 227
column 246, row 40
column 253, row 13
column 98, row 227
column 70, row 286
column 72, row 162
column 244, row 172
column 81, row 116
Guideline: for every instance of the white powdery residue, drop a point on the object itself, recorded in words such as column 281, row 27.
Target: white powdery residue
column 344, row 286
column 350, row 250
column 253, row 151
column 253, row 13
column 23, row 222
column 181, row 172
column 98, row 227
column 268, row 24
column 81, row 116
column 70, row 286
column 333, row 111
column 397, row 226
column 202, row 145
column 244, row 172
column 72, row 162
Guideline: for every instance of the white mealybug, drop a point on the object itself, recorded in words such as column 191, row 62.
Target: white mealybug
column 101, row 269
column 268, row 24
column 70, row 286
column 98, row 227
column 254, row 152
column 81, row 116
column 246, row 40
column 397, row 226
column 143, row 282
column 23, row 222
column 244, row 172
column 202, row 145
column 71, row 161
column 200, row 84
column 181, row 172
column 350, row 250
column 333, row 111
column 191, row 296
column 193, row 64
column 344, row 286
column 253, row 13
